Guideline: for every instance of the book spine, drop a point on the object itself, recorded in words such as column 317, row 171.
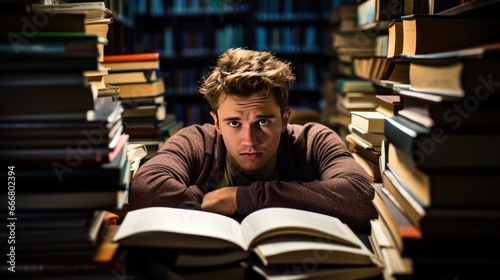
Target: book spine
column 400, row 136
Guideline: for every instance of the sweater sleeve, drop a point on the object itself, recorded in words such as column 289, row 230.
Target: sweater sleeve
column 164, row 180
column 331, row 182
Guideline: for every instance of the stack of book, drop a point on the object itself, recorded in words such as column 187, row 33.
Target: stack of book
column 63, row 145
column 440, row 180
column 97, row 20
column 351, row 94
column 366, row 134
column 142, row 94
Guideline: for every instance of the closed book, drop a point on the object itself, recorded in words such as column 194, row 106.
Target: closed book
column 91, row 10
column 389, row 104
column 432, row 110
column 354, row 85
column 62, row 157
column 104, row 119
column 133, row 102
column 156, row 111
column 399, row 226
column 370, row 167
column 54, row 22
column 102, row 199
column 357, row 101
column 137, row 61
column 56, row 178
column 142, row 89
column 438, row 148
column 456, row 77
column 371, row 138
column 471, row 188
column 37, row 100
column 134, row 76
column 433, row 33
column 369, row 121
column 68, row 51
column 395, row 44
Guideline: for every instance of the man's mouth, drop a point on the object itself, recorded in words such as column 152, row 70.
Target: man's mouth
column 250, row 155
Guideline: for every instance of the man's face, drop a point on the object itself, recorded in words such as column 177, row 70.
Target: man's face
column 251, row 129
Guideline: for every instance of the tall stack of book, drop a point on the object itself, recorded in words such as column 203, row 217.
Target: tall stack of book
column 440, row 178
column 97, row 20
column 63, row 146
column 142, row 94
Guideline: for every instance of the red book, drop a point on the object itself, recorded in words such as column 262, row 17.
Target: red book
column 131, row 57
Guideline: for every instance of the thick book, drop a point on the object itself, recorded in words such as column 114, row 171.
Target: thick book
column 34, row 100
column 114, row 175
column 134, row 76
column 344, row 85
column 444, row 188
column 91, row 10
column 424, row 34
column 443, row 149
column 157, row 112
column 389, row 104
column 369, row 121
column 432, row 111
column 53, row 22
column 277, row 235
column 136, row 90
column 357, row 101
column 395, row 43
column 371, row 138
column 140, row 101
column 91, row 155
column 45, row 51
column 399, row 226
column 69, row 200
column 456, row 77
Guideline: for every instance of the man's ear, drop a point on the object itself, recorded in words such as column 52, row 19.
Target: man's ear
column 216, row 122
column 286, row 118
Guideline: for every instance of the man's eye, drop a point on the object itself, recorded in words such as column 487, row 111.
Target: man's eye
column 263, row 122
column 234, row 123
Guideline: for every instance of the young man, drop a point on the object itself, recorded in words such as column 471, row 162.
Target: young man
column 251, row 157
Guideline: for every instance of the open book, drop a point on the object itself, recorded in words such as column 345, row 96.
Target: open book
column 276, row 235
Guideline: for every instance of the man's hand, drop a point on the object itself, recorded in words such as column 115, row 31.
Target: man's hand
column 222, row 201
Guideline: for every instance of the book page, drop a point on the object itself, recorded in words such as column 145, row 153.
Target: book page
column 273, row 222
column 322, row 252
column 158, row 222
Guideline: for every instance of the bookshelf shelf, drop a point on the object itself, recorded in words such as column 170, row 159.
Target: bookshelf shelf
column 190, row 35
column 482, row 8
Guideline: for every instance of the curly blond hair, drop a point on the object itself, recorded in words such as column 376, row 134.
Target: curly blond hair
column 244, row 72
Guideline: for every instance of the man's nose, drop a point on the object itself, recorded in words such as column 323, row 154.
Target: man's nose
column 250, row 135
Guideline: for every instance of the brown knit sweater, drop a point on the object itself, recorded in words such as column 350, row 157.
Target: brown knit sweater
column 316, row 173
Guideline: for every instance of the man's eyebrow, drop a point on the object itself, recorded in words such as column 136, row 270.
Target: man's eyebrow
column 266, row 116
column 258, row 117
column 231, row 119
